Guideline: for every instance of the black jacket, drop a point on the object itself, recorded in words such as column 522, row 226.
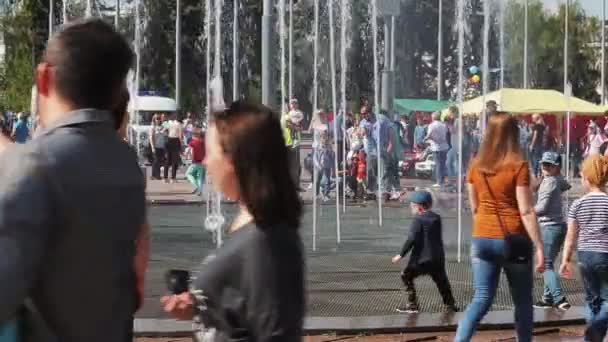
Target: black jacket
column 425, row 240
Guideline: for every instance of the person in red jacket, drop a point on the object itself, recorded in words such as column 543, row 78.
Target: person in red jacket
column 196, row 171
column 361, row 174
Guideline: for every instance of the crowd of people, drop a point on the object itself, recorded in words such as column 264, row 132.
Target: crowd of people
column 168, row 140
column 18, row 126
column 72, row 208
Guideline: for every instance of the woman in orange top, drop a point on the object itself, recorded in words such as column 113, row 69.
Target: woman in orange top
column 500, row 195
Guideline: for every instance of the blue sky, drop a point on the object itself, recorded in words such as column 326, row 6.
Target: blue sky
column 592, row 7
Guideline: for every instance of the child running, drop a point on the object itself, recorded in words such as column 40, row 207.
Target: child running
column 551, row 220
column 196, row 172
column 428, row 257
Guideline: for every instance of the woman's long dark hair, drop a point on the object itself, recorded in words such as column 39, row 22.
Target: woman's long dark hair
column 252, row 136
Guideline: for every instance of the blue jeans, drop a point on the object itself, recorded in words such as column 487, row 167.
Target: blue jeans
column 452, row 164
column 553, row 239
column 487, row 258
column 594, row 270
column 440, row 168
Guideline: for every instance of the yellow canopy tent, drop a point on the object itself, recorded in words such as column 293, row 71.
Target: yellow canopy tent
column 529, row 101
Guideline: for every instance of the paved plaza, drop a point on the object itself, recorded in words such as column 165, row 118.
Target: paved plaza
column 353, row 278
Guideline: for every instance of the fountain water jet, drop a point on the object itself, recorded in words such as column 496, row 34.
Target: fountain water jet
column 89, row 9
column 460, row 22
column 374, row 20
column 343, row 66
column 64, row 11
column 315, row 106
column 332, row 58
column 282, row 52
column 215, row 220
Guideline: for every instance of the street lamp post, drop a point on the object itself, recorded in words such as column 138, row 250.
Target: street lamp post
column 440, row 52
column 566, row 45
column 526, row 45
column 117, row 15
column 235, row 52
column 603, row 80
column 267, row 33
column 178, row 53
column 51, row 18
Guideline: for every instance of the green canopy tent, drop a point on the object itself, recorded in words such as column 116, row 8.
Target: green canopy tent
column 418, row 105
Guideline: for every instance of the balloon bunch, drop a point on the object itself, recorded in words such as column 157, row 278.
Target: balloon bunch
column 474, row 71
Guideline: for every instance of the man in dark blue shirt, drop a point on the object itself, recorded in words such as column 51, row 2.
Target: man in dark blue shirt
column 428, row 256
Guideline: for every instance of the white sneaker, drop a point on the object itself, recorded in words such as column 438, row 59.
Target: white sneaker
column 436, row 185
column 309, row 187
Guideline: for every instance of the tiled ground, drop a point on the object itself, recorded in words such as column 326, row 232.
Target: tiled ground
column 352, row 278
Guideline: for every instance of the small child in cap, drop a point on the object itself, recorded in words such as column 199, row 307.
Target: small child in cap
column 427, row 254
column 549, row 210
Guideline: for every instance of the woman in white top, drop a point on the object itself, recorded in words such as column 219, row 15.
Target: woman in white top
column 175, row 132
column 595, row 139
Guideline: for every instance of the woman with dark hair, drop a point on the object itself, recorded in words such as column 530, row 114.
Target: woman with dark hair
column 505, row 230
column 253, row 289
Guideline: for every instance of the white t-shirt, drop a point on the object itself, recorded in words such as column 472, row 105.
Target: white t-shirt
column 595, row 142
column 438, row 136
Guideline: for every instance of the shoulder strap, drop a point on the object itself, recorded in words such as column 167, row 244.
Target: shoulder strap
column 502, row 226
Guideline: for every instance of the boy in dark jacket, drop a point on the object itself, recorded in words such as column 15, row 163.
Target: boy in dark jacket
column 427, row 257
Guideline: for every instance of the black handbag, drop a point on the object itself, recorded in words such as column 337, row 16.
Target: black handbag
column 518, row 247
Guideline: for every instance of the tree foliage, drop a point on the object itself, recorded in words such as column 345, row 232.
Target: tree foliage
column 416, row 30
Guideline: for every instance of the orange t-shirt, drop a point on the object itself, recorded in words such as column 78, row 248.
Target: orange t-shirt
column 503, row 183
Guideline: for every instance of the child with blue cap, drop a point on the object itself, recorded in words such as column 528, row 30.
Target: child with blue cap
column 427, row 254
column 549, row 210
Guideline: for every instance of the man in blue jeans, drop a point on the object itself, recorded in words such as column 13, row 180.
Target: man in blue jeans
column 551, row 220
column 437, row 137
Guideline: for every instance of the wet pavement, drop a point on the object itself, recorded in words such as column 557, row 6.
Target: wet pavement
column 351, row 278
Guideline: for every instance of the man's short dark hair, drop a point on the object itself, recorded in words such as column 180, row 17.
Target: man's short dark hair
column 91, row 61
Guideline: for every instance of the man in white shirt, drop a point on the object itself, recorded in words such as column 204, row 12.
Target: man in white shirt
column 437, row 138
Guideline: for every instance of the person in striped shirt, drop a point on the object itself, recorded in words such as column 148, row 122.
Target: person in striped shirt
column 588, row 230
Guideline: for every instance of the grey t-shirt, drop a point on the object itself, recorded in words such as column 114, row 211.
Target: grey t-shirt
column 72, row 203
column 253, row 289
column 549, row 203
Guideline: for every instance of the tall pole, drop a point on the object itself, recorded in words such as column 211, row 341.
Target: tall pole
column 208, row 20
column 460, row 22
column 137, row 70
column 267, row 66
column 315, row 105
column 235, row 52
column 117, row 15
column 332, row 61
column 343, row 93
column 376, row 92
column 603, row 81
column 526, row 45
column 290, row 84
column 282, row 53
column 64, row 11
column 502, row 44
column 440, row 52
column 178, row 53
column 566, row 15
column 486, row 47
column 485, row 63
column 51, row 18
column 217, row 69
column 89, row 9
